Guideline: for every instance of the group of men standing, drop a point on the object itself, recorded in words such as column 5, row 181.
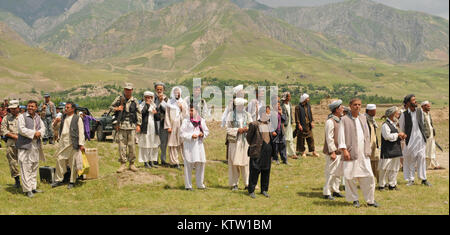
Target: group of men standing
column 161, row 122
column 256, row 135
column 25, row 133
column 351, row 146
column 260, row 134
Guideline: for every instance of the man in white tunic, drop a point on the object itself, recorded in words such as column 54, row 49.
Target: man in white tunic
column 193, row 131
column 256, row 104
column 200, row 105
column 31, row 130
column 391, row 151
column 148, row 140
column 287, row 111
column 411, row 123
column 176, row 111
column 71, row 142
column 237, row 126
column 238, row 91
column 330, row 148
column 356, row 153
column 430, row 133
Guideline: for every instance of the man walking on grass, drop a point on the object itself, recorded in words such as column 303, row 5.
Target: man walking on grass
column 356, row 155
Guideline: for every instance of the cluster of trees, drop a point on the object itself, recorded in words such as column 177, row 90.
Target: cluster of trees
column 316, row 92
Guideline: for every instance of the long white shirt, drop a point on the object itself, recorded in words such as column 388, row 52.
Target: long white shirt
column 193, row 149
column 254, row 106
column 289, row 131
column 386, row 132
column 389, row 163
column 66, row 149
column 329, row 135
column 361, row 166
column 30, row 155
column 151, row 139
column 237, row 152
column 416, row 144
column 430, row 146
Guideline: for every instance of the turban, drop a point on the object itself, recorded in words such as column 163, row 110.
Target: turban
column 390, row 111
column 160, row 84
column 425, row 103
column 371, row 107
column 408, row 98
column 240, row 101
column 149, row 93
column 284, row 95
column 335, row 104
column 238, row 89
column 304, row 97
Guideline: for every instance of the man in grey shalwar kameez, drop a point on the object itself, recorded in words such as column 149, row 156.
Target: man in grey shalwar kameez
column 31, row 130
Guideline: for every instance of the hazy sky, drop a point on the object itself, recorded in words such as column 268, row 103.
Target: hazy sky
column 434, row 7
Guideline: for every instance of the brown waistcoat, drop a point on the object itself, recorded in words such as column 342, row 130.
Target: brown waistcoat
column 335, row 137
column 351, row 139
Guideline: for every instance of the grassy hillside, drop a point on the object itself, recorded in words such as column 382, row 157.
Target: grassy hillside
column 24, row 71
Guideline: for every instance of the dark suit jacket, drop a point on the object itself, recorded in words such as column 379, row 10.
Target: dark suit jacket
column 300, row 115
column 255, row 140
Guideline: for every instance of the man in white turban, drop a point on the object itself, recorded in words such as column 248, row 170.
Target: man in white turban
column 371, row 111
column 176, row 111
column 430, row 133
column 148, row 140
column 305, row 124
column 237, row 126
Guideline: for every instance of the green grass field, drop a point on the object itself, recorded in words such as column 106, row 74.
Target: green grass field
column 295, row 189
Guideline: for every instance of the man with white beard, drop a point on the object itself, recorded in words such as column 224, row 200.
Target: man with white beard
column 237, row 126
column 412, row 124
column 356, row 155
column 391, row 151
column 430, row 133
column 176, row 111
column 148, row 140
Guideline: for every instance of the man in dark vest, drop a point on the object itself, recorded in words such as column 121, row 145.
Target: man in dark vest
column 305, row 124
column 391, row 151
column 31, row 129
column 71, row 141
column 412, row 124
column 160, row 102
column 129, row 120
column 260, row 152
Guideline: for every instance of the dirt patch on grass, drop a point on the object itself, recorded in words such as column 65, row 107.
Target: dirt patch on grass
column 138, row 178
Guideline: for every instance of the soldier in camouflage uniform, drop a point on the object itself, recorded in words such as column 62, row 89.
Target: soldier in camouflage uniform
column 10, row 130
column 48, row 113
column 129, row 121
